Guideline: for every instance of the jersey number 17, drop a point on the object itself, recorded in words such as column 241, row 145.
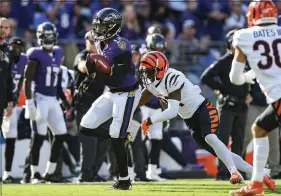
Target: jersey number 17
column 52, row 76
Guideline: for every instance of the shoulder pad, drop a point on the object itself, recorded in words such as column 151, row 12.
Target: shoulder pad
column 58, row 49
column 32, row 53
column 239, row 38
column 123, row 44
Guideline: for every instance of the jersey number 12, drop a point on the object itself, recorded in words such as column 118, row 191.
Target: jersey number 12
column 52, row 76
column 266, row 53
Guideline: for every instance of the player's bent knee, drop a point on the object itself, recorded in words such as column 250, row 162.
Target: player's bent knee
column 258, row 131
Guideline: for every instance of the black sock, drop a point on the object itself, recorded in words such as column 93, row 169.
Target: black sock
column 155, row 152
column 118, row 145
column 98, row 132
column 56, row 147
column 9, row 153
column 35, row 148
column 130, row 155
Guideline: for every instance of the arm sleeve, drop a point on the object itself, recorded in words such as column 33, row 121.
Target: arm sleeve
column 236, row 74
column 60, row 92
column 208, row 77
column 120, row 68
column 169, row 113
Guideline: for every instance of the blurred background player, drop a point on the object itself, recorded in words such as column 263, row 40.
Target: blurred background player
column 87, row 90
column 43, row 108
column 123, row 96
column 261, row 51
column 10, row 124
column 6, row 81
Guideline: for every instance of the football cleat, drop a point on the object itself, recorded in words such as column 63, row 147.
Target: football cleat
column 236, row 178
column 53, row 178
column 252, row 189
column 9, row 180
column 122, row 185
column 37, row 178
column 269, row 182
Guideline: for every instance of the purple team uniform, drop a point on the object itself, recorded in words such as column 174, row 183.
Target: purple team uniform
column 18, row 69
column 117, row 46
column 46, row 74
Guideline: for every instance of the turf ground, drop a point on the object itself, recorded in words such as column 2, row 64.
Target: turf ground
column 186, row 187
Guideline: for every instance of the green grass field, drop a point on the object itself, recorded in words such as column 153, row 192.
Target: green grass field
column 200, row 187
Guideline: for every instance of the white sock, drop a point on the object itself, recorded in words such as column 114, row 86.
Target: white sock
column 124, row 178
column 244, row 166
column 6, row 174
column 241, row 164
column 221, row 151
column 34, row 169
column 261, row 150
column 51, row 167
column 151, row 168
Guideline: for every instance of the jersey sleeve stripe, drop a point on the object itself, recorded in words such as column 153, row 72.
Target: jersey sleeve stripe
column 166, row 80
column 176, row 79
column 171, row 79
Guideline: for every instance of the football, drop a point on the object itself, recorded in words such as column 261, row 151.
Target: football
column 100, row 62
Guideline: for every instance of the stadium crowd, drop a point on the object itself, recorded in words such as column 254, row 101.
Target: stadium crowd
column 194, row 32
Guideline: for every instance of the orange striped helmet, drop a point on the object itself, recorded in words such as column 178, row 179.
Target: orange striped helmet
column 153, row 66
column 261, row 12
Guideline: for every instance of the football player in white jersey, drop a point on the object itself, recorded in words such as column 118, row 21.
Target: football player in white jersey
column 260, row 45
column 199, row 114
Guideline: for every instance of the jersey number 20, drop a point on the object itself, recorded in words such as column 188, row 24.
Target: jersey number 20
column 52, row 76
column 266, row 53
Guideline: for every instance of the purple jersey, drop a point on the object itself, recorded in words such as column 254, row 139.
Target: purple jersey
column 18, row 69
column 116, row 46
column 46, row 74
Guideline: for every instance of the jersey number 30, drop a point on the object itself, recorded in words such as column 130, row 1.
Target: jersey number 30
column 52, row 76
column 266, row 53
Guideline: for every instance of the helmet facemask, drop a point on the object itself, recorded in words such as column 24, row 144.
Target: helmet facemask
column 47, row 39
column 147, row 75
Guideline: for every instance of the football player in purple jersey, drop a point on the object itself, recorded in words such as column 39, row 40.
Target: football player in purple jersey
column 123, row 96
column 42, row 106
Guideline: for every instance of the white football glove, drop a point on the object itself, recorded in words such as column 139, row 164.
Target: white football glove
column 250, row 76
column 31, row 109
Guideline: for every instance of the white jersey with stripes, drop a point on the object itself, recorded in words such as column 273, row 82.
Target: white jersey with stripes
column 191, row 98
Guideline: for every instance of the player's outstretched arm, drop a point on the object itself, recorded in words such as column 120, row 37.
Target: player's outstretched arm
column 172, row 108
column 167, row 114
column 28, row 76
